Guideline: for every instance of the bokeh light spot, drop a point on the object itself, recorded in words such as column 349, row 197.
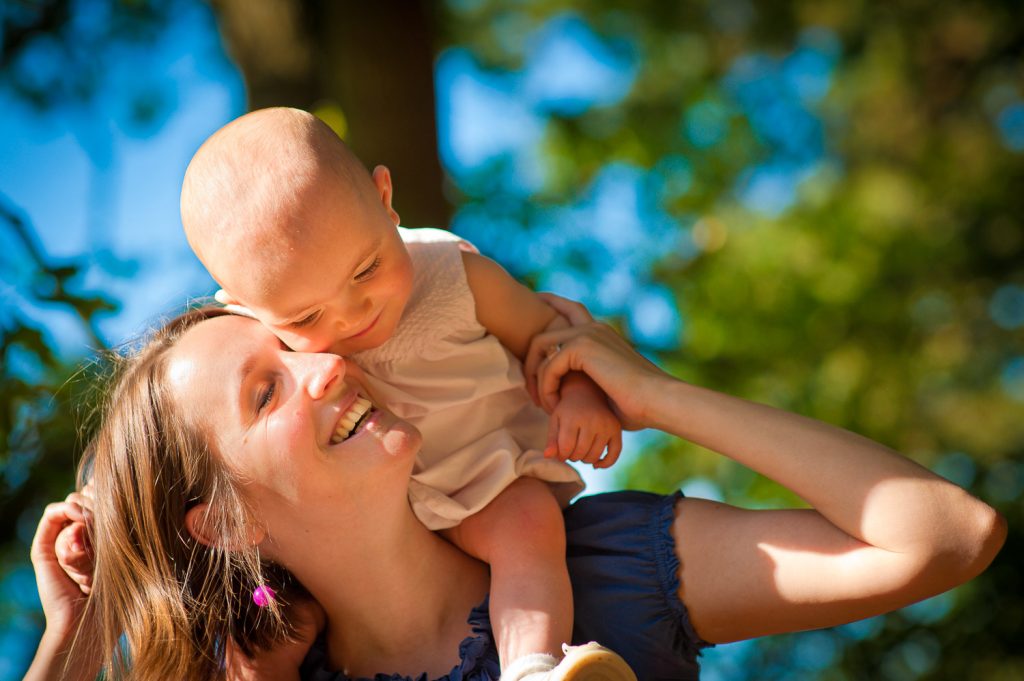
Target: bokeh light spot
column 1007, row 306
column 1011, row 126
column 956, row 467
column 1012, row 378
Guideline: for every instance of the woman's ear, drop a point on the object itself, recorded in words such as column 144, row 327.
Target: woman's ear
column 382, row 179
column 197, row 522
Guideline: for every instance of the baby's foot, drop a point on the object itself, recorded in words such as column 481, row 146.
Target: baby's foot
column 588, row 662
column 591, row 662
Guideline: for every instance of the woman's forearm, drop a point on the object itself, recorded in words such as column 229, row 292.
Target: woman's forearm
column 862, row 487
column 52, row 663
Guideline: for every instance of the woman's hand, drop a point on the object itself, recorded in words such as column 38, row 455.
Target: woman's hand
column 628, row 379
column 62, row 597
column 73, row 546
column 283, row 660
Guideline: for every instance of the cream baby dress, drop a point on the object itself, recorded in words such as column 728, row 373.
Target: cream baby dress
column 458, row 384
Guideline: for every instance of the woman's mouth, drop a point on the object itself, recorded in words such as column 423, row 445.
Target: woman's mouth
column 356, row 416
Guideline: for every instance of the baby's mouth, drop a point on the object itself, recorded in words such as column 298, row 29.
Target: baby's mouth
column 357, row 413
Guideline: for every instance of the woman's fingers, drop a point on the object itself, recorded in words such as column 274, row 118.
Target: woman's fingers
column 545, row 347
column 575, row 313
column 601, row 353
column 75, row 555
column 83, row 502
column 55, row 517
column 60, row 596
column 552, row 355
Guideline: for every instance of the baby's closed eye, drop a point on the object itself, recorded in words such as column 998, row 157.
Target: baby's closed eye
column 308, row 320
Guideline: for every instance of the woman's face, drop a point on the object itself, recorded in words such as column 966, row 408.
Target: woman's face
column 282, row 422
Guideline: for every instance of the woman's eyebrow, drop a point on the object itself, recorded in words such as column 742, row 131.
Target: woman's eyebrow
column 247, row 366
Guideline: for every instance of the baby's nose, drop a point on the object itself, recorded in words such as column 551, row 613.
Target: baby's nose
column 355, row 313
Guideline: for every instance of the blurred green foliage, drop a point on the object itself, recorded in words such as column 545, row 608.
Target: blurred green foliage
column 884, row 297
column 44, row 400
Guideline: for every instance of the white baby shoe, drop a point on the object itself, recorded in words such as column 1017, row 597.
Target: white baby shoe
column 588, row 662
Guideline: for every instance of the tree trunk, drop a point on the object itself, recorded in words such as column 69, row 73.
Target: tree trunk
column 372, row 60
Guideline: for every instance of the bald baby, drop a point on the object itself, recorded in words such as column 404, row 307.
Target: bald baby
column 292, row 226
column 247, row 194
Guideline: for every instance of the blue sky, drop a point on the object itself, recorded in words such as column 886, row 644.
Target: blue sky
column 94, row 184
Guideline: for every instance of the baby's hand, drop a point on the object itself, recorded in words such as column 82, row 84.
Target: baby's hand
column 582, row 425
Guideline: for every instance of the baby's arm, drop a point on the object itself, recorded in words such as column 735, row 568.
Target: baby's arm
column 582, row 424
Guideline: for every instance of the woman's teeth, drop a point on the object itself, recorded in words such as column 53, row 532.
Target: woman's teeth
column 352, row 418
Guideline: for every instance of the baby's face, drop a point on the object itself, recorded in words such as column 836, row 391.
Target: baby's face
column 341, row 288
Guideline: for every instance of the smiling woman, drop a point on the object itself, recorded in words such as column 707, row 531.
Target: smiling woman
column 219, row 469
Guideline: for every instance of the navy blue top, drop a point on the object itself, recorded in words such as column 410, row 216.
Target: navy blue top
column 625, row 576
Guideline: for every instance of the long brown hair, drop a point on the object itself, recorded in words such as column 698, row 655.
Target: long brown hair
column 176, row 601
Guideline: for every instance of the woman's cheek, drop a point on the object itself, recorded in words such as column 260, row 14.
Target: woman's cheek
column 291, row 432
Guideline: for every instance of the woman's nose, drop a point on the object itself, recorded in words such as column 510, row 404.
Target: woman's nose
column 317, row 373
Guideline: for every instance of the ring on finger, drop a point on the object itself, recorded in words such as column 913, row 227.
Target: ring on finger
column 553, row 350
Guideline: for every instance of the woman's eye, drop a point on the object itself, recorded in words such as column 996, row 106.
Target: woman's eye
column 368, row 272
column 266, row 396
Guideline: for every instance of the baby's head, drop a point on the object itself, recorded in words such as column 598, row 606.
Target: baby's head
column 292, row 226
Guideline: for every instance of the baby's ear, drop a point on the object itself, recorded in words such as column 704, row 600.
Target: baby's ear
column 197, row 522
column 382, row 179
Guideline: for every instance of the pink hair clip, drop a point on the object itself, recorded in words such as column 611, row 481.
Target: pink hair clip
column 263, row 595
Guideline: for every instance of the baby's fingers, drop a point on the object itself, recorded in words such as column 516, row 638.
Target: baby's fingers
column 595, row 450
column 614, row 449
column 551, row 448
column 572, row 310
column 568, row 436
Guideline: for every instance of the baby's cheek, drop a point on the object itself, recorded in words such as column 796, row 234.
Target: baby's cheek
column 298, row 342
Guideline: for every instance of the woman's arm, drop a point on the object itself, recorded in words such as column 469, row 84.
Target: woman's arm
column 883, row 533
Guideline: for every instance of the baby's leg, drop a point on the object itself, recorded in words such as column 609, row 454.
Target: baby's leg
column 522, row 536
